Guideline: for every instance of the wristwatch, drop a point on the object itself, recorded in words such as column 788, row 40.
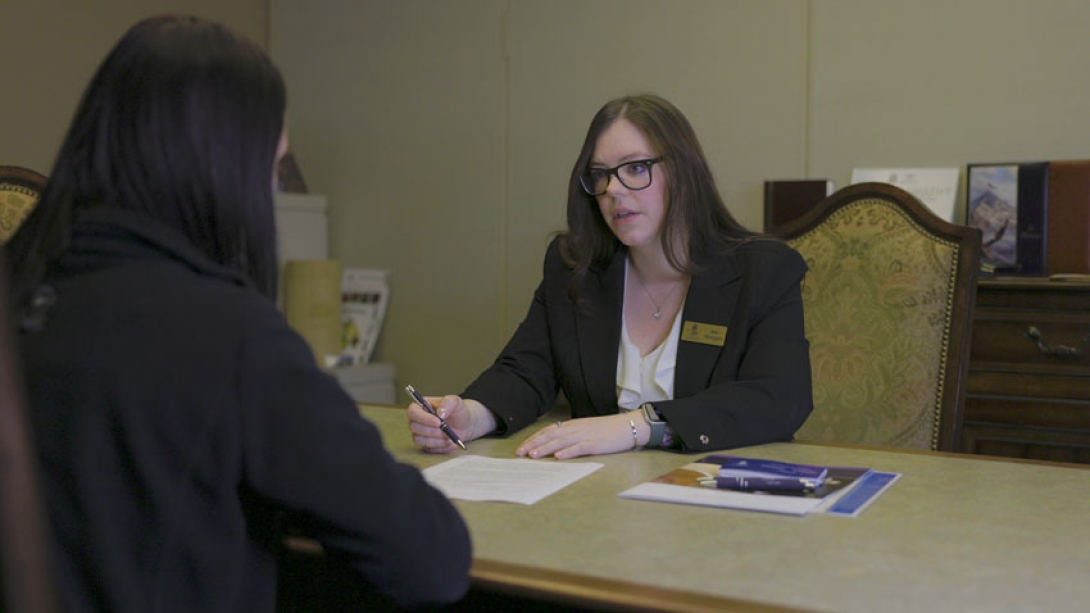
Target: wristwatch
column 658, row 425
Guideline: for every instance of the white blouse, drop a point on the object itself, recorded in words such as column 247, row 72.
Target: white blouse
column 646, row 378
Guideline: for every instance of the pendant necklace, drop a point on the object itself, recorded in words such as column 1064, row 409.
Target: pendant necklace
column 658, row 308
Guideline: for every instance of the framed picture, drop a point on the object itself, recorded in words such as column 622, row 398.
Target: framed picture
column 937, row 188
column 1009, row 204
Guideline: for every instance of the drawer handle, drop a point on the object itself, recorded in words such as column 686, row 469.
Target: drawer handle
column 1056, row 351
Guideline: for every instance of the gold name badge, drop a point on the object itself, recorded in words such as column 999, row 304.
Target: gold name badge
column 707, row 334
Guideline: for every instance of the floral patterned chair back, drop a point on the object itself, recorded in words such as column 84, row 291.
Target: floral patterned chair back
column 20, row 189
column 888, row 300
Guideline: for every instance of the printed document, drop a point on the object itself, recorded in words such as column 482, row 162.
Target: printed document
column 522, row 481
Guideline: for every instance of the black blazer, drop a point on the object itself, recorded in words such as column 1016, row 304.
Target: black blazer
column 752, row 388
column 181, row 422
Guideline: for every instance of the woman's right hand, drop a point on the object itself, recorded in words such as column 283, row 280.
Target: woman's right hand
column 468, row 418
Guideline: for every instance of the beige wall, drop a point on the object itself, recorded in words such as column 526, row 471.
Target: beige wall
column 946, row 83
column 50, row 48
column 443, row 131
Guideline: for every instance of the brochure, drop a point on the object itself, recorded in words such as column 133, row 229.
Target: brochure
column 364, row 294
column 690, row 484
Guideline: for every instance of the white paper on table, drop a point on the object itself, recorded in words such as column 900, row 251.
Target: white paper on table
column 521, row 481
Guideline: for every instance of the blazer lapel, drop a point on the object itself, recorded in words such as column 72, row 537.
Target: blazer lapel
column 711, row 300
column 599, row 330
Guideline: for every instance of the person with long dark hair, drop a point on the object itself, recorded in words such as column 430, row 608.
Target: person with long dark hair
column 182, row 425
column 663, row 321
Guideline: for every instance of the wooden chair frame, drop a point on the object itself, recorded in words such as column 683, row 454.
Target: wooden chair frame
column 25, row 548
column 24, row 177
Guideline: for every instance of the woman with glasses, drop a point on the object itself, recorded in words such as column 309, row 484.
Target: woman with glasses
column 664, row 322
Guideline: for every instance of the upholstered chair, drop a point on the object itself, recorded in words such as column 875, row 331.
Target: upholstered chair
column 888, row 304
column 20, row 189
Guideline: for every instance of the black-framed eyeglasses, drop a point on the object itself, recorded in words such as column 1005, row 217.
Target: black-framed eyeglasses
column 634, row 175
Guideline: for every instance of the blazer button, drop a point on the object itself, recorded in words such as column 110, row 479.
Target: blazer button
column 704, row 439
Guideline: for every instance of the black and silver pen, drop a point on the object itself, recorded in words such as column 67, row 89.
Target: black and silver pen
column 758, row 484
column 430, row 409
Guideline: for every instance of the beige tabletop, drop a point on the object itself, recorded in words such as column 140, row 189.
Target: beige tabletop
column 955, row 533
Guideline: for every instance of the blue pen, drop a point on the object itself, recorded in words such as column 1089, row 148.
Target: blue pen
column 430, row 409
column 758, row 484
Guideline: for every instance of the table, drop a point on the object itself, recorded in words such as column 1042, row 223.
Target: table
column 955, row 533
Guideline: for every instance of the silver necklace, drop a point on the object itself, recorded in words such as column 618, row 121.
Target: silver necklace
column 658, row 308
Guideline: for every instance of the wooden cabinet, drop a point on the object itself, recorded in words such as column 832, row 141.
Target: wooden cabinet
column 1028, row 393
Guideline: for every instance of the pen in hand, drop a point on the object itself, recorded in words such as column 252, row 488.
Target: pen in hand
column 430, row 409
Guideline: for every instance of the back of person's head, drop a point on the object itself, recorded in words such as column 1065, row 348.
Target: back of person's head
column 181, row 122
column 697, row 221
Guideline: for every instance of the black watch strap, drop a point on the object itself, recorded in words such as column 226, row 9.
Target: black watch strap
column 658, row 425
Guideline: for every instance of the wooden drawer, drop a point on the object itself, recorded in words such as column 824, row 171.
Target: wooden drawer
column 1031, row 337
column 1026, row 443
column 1001, row 381
column 1028, row 389
column 1073, row 415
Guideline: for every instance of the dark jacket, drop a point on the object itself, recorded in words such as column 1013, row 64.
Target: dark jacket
column 751, row 387
column 181, row 423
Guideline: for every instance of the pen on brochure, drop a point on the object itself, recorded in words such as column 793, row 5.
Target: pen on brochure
column 430, row 409
column 756, row 484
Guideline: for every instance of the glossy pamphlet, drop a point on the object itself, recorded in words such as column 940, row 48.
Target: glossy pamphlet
column 683, row 485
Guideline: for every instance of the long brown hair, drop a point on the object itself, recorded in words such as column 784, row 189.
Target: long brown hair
column 697, row 223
